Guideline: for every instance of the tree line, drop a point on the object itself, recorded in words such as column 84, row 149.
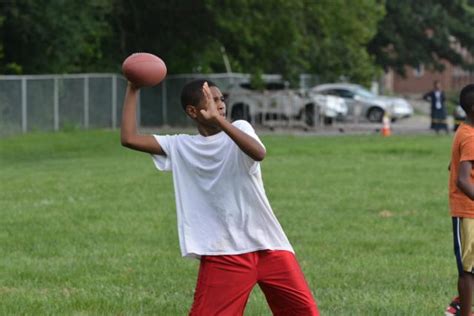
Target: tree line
column 355, row 39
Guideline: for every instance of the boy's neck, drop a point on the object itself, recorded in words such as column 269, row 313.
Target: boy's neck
column 208, row 130
column 469, row 121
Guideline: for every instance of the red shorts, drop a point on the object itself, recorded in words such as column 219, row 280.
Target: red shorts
column 224, row 284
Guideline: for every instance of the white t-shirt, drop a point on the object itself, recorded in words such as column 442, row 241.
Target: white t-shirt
column 220, row 200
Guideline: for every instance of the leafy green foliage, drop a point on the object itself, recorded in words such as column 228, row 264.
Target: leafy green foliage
column 331, row 38
column 293, row 37
column 287, row 37
column 424, row 32
column 262, row 36
column 338, row 32
column 177, row 31
column 56, row 36
column 2, row 18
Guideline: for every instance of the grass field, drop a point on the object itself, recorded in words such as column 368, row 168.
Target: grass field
column 89, row 228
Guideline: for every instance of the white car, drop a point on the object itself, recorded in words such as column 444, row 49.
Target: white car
column 363, row 103
column 332, row 108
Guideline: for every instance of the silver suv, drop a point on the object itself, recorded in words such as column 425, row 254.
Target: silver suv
column 363, row 103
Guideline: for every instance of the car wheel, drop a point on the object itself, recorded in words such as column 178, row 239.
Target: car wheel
column 240, row 111
column 309, row 114
column 328, row 120
column 375, row 115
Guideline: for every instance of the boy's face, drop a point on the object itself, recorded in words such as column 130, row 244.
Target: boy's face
column 218, row 98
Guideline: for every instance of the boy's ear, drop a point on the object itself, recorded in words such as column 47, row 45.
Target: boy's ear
column 191, row 111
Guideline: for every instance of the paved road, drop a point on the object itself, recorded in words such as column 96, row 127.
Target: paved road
column 419, row 124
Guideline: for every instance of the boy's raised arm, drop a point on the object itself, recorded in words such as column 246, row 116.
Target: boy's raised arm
column 129, row 135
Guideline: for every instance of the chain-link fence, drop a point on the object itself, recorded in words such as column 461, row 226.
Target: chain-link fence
column 54, row 102
column 58, row 102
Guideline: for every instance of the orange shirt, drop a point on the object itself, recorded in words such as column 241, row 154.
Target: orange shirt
column 463, row 150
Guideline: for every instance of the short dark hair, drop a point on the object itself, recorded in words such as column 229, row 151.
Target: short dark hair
column 192, row 92
column 466, row 98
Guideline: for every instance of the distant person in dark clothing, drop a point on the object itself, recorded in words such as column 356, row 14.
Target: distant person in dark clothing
column 438, row 108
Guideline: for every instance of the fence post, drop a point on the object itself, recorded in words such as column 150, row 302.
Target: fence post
column 56, row 104
column 86, row 102
column 24, row 105
column 114, row 101
column 164, row 103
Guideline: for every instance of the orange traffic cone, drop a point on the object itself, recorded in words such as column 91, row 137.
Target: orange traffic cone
column 386, row 131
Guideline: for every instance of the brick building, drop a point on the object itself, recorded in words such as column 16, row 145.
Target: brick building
column 420, row 80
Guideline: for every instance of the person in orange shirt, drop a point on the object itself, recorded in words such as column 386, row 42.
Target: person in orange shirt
column 461, row 204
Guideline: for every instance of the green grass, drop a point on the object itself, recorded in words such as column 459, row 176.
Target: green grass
column 89, row 228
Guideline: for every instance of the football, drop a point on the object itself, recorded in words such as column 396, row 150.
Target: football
column 144, row 69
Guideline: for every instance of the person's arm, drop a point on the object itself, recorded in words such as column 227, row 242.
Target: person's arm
column 246, row 143
column 129, row 135
column 463, row 181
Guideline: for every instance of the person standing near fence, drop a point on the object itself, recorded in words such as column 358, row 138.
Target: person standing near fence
column 438, row 109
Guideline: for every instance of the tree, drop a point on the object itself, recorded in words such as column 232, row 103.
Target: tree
column 57, row 36
column 262, row 36
column 424, row 32
column 291, row 37
column 2, row 18
column 338, row 32
column 281, row 36
column 177, row 31
column 326, row 37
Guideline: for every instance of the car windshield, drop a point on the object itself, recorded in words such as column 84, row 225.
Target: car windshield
column 364, row 93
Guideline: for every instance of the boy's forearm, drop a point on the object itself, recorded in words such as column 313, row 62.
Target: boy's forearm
column 463, row 181
column 246, row 143
column 129, row 115
column 129, row 135
column 466, row 188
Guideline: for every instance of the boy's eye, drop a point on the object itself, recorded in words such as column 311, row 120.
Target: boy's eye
column 222, row 99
